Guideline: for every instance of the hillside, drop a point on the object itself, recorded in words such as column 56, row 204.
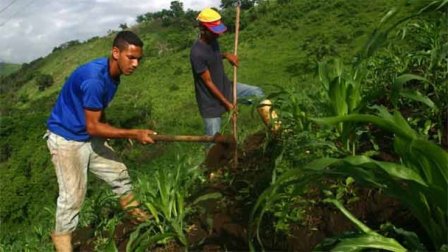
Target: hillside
column 281, row 44
column 6, row 68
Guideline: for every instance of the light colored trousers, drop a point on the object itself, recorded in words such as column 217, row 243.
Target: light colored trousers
column 213, row 124
column 71, row 160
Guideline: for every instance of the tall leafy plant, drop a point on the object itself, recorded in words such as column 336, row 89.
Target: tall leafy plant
column 343, row 88
column 419, row 180
column 167, row 202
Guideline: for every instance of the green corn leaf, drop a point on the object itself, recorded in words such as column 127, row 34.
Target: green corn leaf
column 180, row 205
column 417, row 96
column 370, row 239
column 337, row 94
column 135, row 237
column 358, row 223
column 153, row 211
column 410, row 239
column 393, row 169
column 367, row 241
column 402, row 79
column 208, row 196
column 111, row 247
column 324, row 75
column 149, row 240
column 437, row 156
column 391, row 13
column 434, row 5
column 396, row 123
column 438, row 54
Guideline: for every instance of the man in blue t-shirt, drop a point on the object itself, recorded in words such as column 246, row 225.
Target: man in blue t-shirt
column 77, row 133
column 212, row 87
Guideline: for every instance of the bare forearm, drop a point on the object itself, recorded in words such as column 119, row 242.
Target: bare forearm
column 214, row 90
column 108, row 131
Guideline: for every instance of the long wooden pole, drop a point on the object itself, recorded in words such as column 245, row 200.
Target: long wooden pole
column 235, row 72
column 189, row 138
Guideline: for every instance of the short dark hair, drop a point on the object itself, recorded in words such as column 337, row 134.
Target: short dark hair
column 124, row 38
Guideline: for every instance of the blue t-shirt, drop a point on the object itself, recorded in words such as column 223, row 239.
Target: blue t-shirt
column 91, row 87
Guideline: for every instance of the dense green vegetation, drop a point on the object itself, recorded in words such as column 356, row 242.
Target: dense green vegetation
column 360, row 87
column 6, row 68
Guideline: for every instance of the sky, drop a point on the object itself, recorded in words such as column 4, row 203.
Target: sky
column 30, row 29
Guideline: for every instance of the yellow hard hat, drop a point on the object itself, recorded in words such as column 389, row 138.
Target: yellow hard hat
column 208, row 15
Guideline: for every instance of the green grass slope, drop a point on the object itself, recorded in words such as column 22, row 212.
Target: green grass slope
column 6, row 68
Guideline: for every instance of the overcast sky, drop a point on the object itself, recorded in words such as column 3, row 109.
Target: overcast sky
column 30, row 29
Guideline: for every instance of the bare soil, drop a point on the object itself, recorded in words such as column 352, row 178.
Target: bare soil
column 224, row 225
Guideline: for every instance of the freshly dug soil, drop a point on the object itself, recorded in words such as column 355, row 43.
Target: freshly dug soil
column 223, row 226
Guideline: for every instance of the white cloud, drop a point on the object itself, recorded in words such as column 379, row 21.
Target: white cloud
column 31, row 29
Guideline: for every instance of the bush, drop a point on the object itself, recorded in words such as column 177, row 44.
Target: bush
column 44, row 81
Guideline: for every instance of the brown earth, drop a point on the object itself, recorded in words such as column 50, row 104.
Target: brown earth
column 224, row 225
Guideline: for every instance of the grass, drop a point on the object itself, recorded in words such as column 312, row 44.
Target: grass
column 7, row 68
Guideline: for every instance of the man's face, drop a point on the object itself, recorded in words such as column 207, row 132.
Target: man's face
column 210, row 36
column 128, row 59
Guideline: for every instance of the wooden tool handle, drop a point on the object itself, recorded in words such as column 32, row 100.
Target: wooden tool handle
column 167, row 138
column 218, row 138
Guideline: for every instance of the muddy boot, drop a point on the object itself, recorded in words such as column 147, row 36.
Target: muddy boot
column 131, row 206
column 269, row 116
column 62, row 242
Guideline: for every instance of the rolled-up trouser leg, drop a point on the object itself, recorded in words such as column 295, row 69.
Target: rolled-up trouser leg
column 70, row 159
column 105, row 164
column 212, row 126
column 248, row 91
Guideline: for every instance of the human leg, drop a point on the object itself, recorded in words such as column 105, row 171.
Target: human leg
column 265, row 110
column 245, row 92
column 70, row 160
column 105, row 164
column 212, row 125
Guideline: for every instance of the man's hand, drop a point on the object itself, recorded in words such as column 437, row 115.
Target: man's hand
column 96, row 128
column 144, row 136
column 232, row 58
column 229, row 106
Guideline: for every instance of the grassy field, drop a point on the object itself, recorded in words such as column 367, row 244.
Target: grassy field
column 6, row 68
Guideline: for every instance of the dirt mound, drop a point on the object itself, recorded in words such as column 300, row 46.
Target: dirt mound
column 223, row 226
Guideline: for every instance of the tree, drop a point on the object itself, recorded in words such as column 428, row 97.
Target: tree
column 245, row 4
column 43, row 81
column 123, row 26
column 177, row 8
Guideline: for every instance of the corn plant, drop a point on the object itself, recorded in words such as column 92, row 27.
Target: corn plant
column 343, row 88
column 167, row 203
column 97, row 210
column 364, row 239
column 292, row 109
column 419, row 180
column 387, row 24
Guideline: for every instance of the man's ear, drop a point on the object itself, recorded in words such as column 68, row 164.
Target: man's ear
column 115, row 53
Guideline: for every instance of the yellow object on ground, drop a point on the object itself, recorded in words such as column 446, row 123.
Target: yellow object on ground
column 131, row 206
column 269, row 116
column 62, row 242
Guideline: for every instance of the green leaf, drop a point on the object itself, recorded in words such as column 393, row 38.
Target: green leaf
column 393, row 169
column 368, row 241
column 417, row 96
column 208, row 196
column 402, row 79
